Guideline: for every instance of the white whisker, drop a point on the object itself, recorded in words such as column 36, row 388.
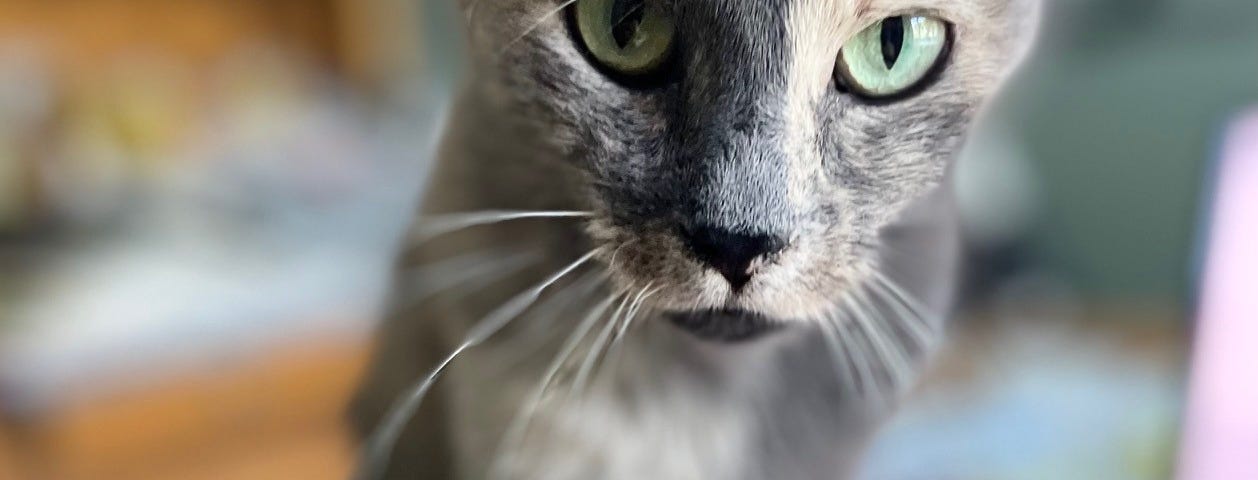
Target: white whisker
column 559, row 302
column 536, row 25
column 519, row 425
column 882, row 351
column 438, row 225
column 866, row 297
column 596, row 349
column 541, row 318
column 612, row 262
column 633, row 311
column 838, row 349
column 460, row 271
column 380, row 444
column 499, row 318
column 906, row 298
column 615, row 351
column 860, row 358
column 912, row 323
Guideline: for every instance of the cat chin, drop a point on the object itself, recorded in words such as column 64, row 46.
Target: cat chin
column 725, row 325
column 748, row 317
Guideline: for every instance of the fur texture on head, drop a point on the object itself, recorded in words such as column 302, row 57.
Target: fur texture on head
column 752, row 136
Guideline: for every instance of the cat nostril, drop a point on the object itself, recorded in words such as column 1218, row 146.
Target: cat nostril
column 730, row 253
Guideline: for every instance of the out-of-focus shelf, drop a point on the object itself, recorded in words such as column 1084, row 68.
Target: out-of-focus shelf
column 274, row 417
column 85, row 33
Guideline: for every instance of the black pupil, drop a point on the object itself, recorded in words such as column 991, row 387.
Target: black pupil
column 892, row 40
column 626, row 17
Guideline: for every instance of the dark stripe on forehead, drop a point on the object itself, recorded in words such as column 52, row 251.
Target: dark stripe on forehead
column 735, row 53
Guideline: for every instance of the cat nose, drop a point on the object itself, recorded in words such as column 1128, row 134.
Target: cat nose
column 730, row 253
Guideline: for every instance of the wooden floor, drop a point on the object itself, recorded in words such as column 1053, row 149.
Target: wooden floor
column 275, row 417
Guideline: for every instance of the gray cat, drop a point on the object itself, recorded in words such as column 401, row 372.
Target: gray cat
column 683, row 239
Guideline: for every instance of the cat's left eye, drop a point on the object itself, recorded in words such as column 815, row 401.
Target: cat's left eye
column 893, row 57
column 631, row 37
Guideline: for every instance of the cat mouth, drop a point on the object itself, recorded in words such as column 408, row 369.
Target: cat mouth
column 724, row 325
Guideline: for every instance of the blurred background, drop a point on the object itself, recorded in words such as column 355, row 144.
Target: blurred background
column 200, row 200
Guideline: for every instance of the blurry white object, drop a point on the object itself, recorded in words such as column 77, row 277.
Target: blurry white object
column 151, row 308
column 1221, row 431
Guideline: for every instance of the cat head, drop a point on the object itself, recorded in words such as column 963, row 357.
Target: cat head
column 742, row 156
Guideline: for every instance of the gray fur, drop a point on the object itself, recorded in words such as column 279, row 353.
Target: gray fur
column 737, row 143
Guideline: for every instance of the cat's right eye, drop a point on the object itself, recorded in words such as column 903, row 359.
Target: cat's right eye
column 630, row 37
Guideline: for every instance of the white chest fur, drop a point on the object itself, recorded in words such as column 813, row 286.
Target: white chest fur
column 665, row 407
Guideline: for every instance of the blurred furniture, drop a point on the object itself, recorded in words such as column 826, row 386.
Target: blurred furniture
column 278, row 416
column 101, row 97
column 66, row 58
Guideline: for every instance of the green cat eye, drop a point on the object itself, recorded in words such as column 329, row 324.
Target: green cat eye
column 631, row 37
column 893, row 56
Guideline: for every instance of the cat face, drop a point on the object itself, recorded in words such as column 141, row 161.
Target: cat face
column 747, row 169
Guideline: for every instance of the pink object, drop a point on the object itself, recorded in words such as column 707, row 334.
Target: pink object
column 1221, row 428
